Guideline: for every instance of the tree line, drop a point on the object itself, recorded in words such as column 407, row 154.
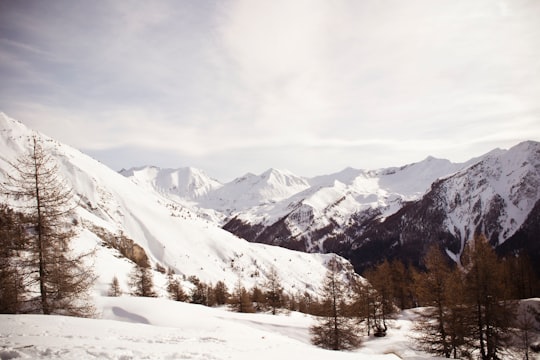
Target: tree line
column 463, row 310
column 269, row 296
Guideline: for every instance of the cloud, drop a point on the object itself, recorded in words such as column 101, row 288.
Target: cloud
column 359, row 83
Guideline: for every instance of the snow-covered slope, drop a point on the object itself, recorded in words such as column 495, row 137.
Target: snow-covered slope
column 114, row 207
column 146, row 328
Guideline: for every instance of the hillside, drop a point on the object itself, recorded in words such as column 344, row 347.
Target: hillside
column 114, row 213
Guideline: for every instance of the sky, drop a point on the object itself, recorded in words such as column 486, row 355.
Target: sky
column 236, row 86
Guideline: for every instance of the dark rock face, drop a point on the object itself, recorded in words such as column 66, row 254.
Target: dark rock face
column 526, row 239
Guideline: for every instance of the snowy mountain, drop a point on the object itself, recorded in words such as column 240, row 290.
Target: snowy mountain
column 254, row 190
column 367, row 214
column 123, row 219
column 498, row 196
column 186, row 183
column 370, row 215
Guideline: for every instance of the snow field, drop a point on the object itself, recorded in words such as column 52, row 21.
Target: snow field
column 155, row 328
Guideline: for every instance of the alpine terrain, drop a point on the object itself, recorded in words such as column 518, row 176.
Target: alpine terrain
column 126, row 223
column 368, row 215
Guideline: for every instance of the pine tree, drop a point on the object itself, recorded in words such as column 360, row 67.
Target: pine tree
column 62, row 277
column 334, row 330
column 140, row 281
column 114, row 289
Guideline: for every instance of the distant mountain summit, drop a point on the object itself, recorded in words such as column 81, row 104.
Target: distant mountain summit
column 187, row 183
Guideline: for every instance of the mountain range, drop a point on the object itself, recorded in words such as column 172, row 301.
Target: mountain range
column 126, row 223
column 196, row 225
column 369, row 215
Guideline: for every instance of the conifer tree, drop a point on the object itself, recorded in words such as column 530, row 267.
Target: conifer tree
column 334, row 330
column 174, row 288
column 258, row 298
column 141, row 282
column 273, row 291
column 401, row 284
column 11, row 275
column 241, row 299
column 114, row 289
column 200, row 293
column 365, row 305
column 221, row 293
column 443, row 322
column 488, row 297
column 380, row 279
column 61, row 276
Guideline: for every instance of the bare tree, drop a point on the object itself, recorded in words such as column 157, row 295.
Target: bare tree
column 47, row 201
column 527, row 326
column 335, row 330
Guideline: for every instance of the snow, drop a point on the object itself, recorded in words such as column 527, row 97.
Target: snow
column 172, row 235
column 510, row 178
column 149, row 328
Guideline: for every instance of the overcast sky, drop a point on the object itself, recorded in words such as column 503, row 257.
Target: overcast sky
column 310, row 86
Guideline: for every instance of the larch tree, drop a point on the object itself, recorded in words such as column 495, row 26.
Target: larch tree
column 221, row 293
column 240, row 300
column 60, row 277
column 174, row 288
column 12, row 287
column 335, row 329
column 141, row 282
column 114, row 288
column 488, row 297
column 380, row 279
column 273, row 291
column 440, row 324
